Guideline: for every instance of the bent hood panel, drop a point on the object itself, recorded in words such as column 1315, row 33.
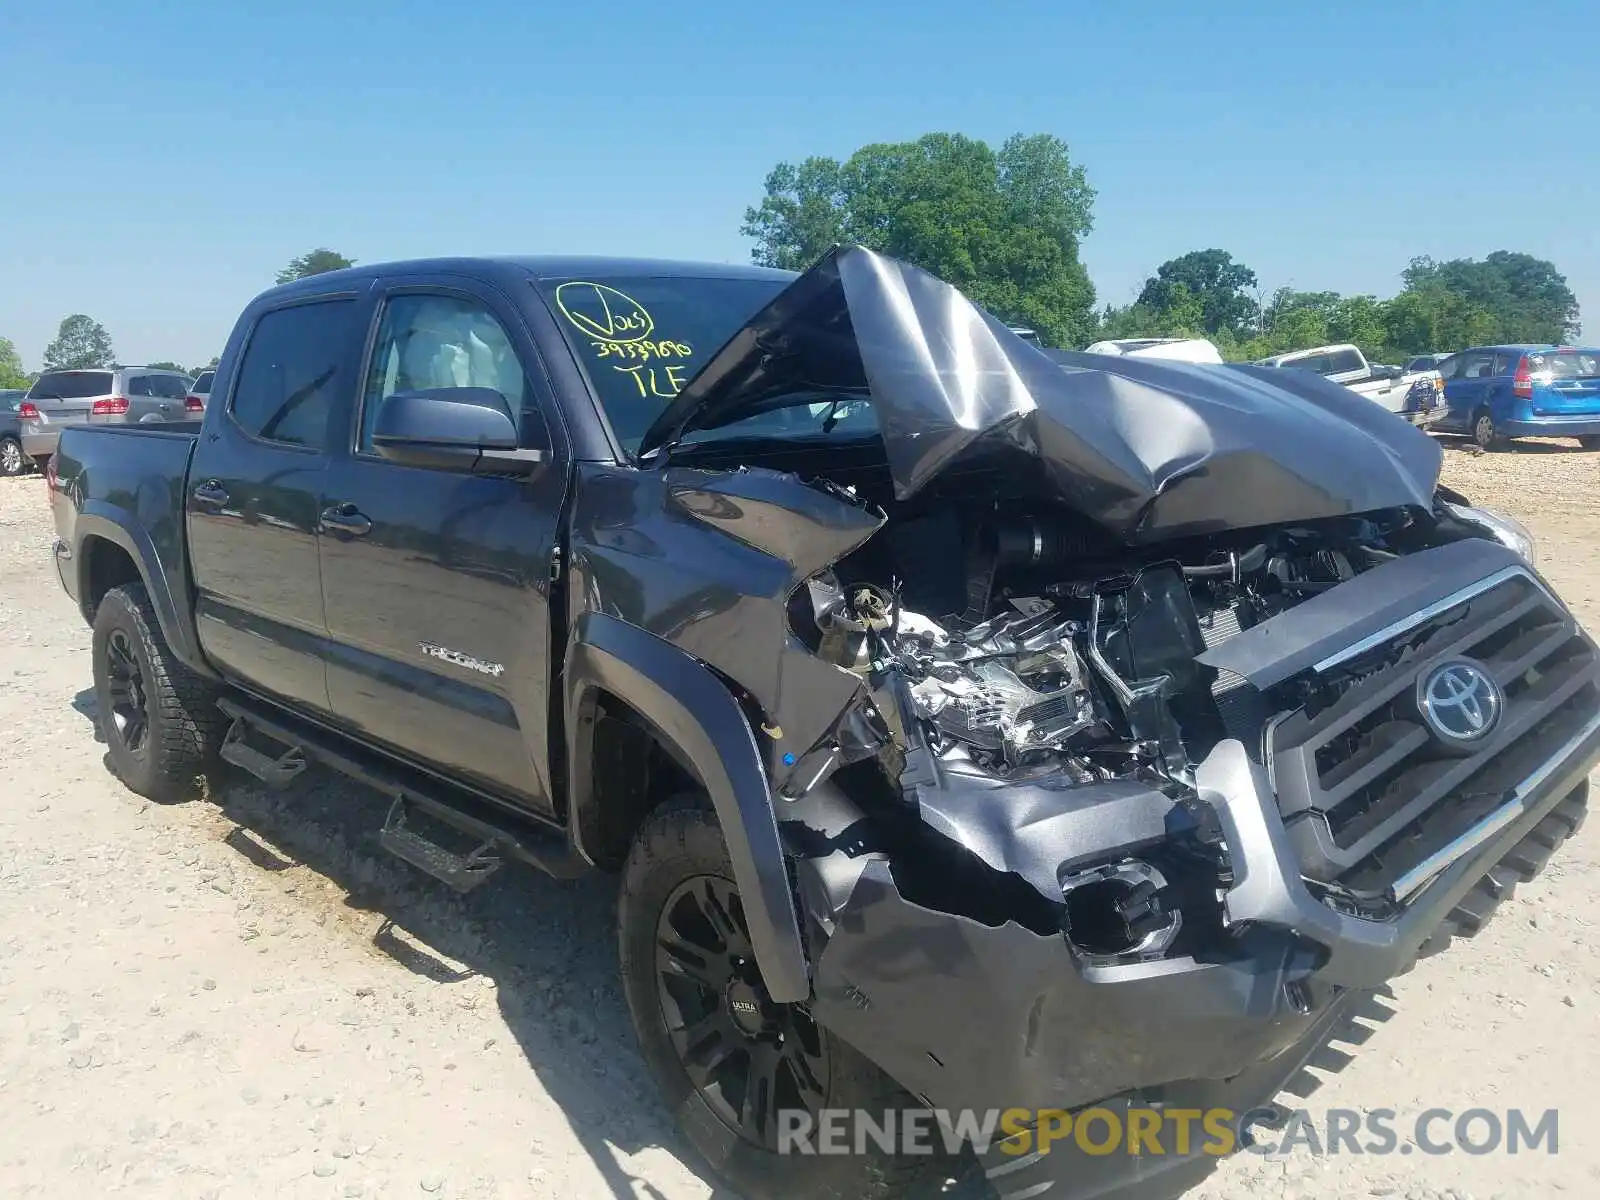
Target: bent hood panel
column 1151, row 449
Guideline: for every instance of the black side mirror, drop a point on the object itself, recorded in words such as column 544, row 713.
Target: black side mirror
column 457, row 429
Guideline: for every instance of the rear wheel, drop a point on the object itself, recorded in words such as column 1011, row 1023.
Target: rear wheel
column 160, row 720
column 1484, row 433
column 12, row 460
column 727, row 1058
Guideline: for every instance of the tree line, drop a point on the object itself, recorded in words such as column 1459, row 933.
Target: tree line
column 82, row 343
column 1005, row 225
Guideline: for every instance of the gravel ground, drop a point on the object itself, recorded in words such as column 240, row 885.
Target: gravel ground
column 240, row 996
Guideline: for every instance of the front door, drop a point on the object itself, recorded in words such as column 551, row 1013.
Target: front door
column 436, row 582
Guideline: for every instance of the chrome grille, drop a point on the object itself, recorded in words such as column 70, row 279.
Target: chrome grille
column 1366, row 790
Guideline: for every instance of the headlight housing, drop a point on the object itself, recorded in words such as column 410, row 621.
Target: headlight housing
column 1503, row 527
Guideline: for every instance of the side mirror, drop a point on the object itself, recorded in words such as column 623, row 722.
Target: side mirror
column 454, row 429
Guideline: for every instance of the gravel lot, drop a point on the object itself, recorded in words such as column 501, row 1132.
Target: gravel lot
column 241, row 996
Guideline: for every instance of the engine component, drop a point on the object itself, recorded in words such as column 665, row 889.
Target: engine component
column 1013, row 685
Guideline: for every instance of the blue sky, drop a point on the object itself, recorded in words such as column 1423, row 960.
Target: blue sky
column 164, row 160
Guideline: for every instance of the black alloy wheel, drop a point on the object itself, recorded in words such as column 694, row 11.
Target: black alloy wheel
column 747, row 1056
column 130, row 704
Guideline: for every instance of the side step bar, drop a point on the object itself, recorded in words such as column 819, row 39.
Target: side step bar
column 499, row 835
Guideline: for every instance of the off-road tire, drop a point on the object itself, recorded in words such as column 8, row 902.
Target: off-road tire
column 13, row 461
column 185, row 726
column 679, row 841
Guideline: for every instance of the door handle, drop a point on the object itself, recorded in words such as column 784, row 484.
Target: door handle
column 211, row 492
column 346, row 519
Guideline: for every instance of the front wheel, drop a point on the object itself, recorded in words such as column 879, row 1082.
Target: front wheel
column 734, row 1067
column 12, row 460
column 160, row 720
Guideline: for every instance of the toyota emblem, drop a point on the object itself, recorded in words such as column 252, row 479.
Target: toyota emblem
column 1461, row 702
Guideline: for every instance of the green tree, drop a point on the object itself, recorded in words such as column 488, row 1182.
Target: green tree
column 1526, row 298
column 314, row 262
column 1004, row 226
column 11, row 373
column 210, row 366
column 80, row 342
column 1221, row 285
column 164, row 365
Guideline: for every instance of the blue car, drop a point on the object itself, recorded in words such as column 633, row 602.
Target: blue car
column 1496, row 393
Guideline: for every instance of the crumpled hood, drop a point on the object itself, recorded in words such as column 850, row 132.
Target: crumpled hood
column 1150, row 449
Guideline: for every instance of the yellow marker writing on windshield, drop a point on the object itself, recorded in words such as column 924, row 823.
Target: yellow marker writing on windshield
column 603, row 312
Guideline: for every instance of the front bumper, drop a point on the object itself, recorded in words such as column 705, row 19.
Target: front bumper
column 971, row 1011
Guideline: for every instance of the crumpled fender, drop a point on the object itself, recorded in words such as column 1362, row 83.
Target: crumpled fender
column 699, row 719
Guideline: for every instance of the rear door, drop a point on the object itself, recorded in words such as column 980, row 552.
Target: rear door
column 156, row 396
column 437, row 582
column 255, row 490
column 1466, row 388
column 1566, row 382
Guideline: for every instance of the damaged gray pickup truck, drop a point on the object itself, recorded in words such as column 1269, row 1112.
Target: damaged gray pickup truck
column 974, row 726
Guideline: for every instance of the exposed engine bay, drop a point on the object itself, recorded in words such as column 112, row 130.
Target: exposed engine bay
column 1062, row 662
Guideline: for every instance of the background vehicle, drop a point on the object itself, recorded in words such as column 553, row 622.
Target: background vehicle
column 1195, row 350
column 1424, row 362
column 1413, row 395
column 13, row 459
column 108, row 396
column 199, row 393
column 459, row 529
column 1497, row 393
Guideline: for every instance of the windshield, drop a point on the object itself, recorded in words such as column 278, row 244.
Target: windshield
column 642, row 337
column 1566, row 364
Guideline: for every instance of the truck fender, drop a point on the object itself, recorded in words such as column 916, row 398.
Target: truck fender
column 168, row 596
column 703, row 725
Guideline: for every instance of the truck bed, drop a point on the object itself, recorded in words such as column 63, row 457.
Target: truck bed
column 126, row 485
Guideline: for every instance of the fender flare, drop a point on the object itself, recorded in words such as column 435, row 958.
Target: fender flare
column 98, row 519
column 693, row 711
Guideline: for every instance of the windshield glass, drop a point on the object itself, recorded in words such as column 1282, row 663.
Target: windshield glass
column 642, row 337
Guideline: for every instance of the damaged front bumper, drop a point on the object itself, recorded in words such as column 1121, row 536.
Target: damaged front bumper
column 969, row 1015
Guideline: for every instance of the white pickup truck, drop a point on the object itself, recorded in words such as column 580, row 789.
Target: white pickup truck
column 1417, row 396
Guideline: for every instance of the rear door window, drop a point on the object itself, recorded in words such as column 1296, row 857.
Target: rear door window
column 294, row 366
column 169, row 387
column 1476, row 364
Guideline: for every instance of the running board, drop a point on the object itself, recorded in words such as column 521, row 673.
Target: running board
column 498, row 834
column 275, row 772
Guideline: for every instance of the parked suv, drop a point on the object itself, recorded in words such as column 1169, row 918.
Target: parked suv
column 12, row 459
column 199, row 393
column 1496, row 393
column 99, row 396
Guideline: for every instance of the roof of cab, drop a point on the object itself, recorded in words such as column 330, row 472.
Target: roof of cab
column 552, row 266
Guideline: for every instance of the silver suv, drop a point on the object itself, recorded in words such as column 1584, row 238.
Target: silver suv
column 98, row 396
